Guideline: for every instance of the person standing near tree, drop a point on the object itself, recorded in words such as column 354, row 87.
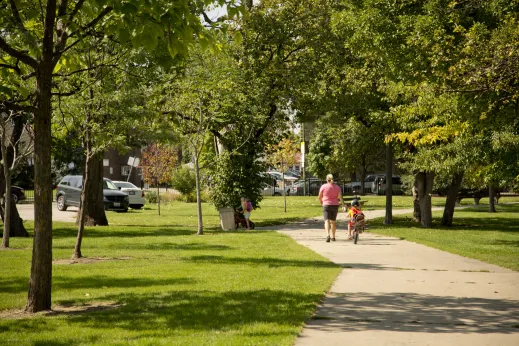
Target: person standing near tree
column 329, row 195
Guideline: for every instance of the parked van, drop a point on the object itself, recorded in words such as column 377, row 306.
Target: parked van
column 69, row 194
column 397, row 185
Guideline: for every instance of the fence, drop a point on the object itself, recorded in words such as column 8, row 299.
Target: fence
column 309, row 187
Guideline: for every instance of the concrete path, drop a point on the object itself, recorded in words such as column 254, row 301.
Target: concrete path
column 395, row 292
column 26, row 212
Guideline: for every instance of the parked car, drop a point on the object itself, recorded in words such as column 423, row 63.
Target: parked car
column 69, row 194
column 271, row 190
column 135, row 194
column 370, row 186
column 17, row 193
column 397, row 185
column 312, row 187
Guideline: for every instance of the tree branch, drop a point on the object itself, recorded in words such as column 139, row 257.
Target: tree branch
column 96, row 20
column 18, row 54
column 12, row 106
column 16, row 68
column 82, row 70
column 76, row 9
column 62, row 9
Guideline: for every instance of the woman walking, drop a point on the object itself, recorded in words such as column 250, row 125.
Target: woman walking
column 329, row 195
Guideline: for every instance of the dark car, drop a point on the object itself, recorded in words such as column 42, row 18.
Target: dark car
column 69, row 194
column 18, row 194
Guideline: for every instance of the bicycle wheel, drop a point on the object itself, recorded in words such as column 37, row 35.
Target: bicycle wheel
column 355, row 237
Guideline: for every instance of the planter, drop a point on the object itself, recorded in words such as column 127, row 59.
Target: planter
column 227, row 218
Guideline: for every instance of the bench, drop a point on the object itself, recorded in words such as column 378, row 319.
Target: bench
column 479, row 194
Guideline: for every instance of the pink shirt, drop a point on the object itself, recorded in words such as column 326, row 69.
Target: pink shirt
column 330, row 194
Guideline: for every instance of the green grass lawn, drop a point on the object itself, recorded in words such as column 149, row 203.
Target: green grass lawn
column 162, row 285
column 476, row 233
column 158, row 283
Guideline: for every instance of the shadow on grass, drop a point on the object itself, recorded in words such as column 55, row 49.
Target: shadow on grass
column 171, row 246
column 100, row 281
column 460, row 223
column 95, row 281
column 409, row 312
column 206, row 311
column 267, row 261
column 152, row 314
column 113, row 232
column 14, row 285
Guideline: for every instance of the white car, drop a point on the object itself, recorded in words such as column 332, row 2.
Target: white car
column 135, row 194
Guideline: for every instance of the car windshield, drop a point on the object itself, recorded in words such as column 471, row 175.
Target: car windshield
column 125, row 185
column 108, row 185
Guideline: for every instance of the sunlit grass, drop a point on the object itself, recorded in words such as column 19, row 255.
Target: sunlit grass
column 163, row 285
column 476, row 233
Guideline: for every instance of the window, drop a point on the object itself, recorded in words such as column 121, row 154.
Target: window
column 73, row 182
column 125, row 170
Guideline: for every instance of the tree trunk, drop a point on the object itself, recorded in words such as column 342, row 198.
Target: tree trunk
column 198, row 197
column 416, row 202
column 284, row 190
column 84, row 201
column 39, row 295
column 95, row 208
column 158, row 197
column 424, row 187
column 13, row 224
column 491, row 198
column 363, row 176
column 17, row 228
column 7, row 199
column 389, row 184
column 452, row 196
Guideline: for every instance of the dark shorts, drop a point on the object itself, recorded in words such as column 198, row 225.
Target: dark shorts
column 330, row 212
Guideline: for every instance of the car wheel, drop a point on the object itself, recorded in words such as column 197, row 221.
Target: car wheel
column 14, row 197
column 61, row 203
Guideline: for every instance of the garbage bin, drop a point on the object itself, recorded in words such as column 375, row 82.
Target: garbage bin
column 227, row 219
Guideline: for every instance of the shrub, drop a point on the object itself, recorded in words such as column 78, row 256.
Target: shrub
column 151, row 196
column 234, row 176
column 184, row 181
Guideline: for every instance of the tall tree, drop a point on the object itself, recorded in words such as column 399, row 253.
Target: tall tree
column 35, row 39
column 16, row 144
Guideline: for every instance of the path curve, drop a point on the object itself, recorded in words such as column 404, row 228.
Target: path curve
column 395, row 292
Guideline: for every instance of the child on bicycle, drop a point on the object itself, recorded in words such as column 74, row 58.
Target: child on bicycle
column 352, row 212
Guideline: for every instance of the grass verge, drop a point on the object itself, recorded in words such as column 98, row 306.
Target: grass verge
column 151, row 281
column 476, row 233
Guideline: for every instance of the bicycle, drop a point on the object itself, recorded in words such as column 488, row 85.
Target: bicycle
column 359, row 225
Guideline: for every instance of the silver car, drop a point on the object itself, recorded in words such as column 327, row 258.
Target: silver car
column 135, row 194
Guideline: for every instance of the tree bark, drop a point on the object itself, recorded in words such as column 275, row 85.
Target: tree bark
column 424, row 189
column 452, row 196
column 17, row 228
column 39, row 295
column 95, row 211
column 7, row 199
column 491, row 198
column 198, row 196
column 417, row 216
column 389, row 184
column 363, row 176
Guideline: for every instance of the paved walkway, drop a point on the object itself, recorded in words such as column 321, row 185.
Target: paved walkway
column 395, row 292
column 26, row 212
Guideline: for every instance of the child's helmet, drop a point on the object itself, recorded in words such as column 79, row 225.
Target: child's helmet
column 355, row 203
